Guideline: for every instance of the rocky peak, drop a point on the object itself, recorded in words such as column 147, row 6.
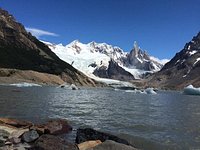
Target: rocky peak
column 187, row 56
column 20, row 50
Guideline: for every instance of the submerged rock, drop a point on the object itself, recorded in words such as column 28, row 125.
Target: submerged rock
column 91, row 134
column 112, row 145
column 58, row 126
column 50, row 142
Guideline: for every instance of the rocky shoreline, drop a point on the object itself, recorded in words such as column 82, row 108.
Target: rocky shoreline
column 24, row 135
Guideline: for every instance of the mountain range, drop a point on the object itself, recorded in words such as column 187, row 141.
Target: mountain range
column 24, row 57
column 107, row 61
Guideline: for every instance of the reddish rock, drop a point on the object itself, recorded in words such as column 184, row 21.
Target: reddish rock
column 15, row 122
column 58, row 126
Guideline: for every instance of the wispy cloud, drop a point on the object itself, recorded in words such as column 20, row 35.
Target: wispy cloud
column 38, row 32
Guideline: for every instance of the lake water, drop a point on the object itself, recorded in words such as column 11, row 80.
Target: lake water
column 167, row 120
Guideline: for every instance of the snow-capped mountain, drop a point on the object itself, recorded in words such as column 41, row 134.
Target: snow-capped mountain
column 90, row 57
column 183, row 69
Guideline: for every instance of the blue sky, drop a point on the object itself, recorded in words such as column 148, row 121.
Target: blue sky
column 161, row 27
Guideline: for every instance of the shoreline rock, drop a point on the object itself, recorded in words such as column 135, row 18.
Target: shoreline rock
column 21, row 135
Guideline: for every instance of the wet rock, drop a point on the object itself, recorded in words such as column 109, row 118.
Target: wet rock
column 58, row 126
column 88, row 144
column 15, row 123
column 30, row 136
column 112, row 145
column 50, row 142
column 88, row 134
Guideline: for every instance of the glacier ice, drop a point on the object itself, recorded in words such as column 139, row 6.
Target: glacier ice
column 191, row 90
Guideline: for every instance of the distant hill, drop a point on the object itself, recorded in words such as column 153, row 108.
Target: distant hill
column 182, row 70
column 20, row 50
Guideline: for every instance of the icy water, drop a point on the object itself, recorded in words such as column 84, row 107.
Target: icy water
column 167, row 120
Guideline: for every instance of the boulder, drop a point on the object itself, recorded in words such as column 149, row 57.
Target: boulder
column 112, row 145
column 30, row 136
column 58, row 126
column 17, row 133
column 88, row 144
column 88, row 134
column 15, row 122
column 51, row 142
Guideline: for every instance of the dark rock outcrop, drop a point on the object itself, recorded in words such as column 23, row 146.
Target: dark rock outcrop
column 50, row 142
column 114, row 71
column 20, row 50
column 88, row 134
column 182, row 70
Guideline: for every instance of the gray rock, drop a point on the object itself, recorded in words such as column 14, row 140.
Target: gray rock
column 111, row 145
column 50, row 142
column 30, row 136
column 20, row 146
column 15, row 140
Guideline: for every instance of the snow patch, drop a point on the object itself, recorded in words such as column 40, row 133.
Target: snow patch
column 192, row 52
column 197, row 60
column 24, row 84
column 161, row 61
column 190, row 90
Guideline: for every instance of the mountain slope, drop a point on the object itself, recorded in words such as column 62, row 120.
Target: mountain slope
column 183, row 69
column 92, row 57
column 20, row 50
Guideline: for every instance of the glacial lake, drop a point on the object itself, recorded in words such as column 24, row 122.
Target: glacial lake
column 167, row 120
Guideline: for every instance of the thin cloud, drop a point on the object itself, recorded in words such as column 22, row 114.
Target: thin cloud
column 38, row 32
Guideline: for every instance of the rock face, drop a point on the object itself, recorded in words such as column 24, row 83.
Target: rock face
column 20, row 50
column 88, row 134
column 141, row 60
column 182, row 70
column 114, row 71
